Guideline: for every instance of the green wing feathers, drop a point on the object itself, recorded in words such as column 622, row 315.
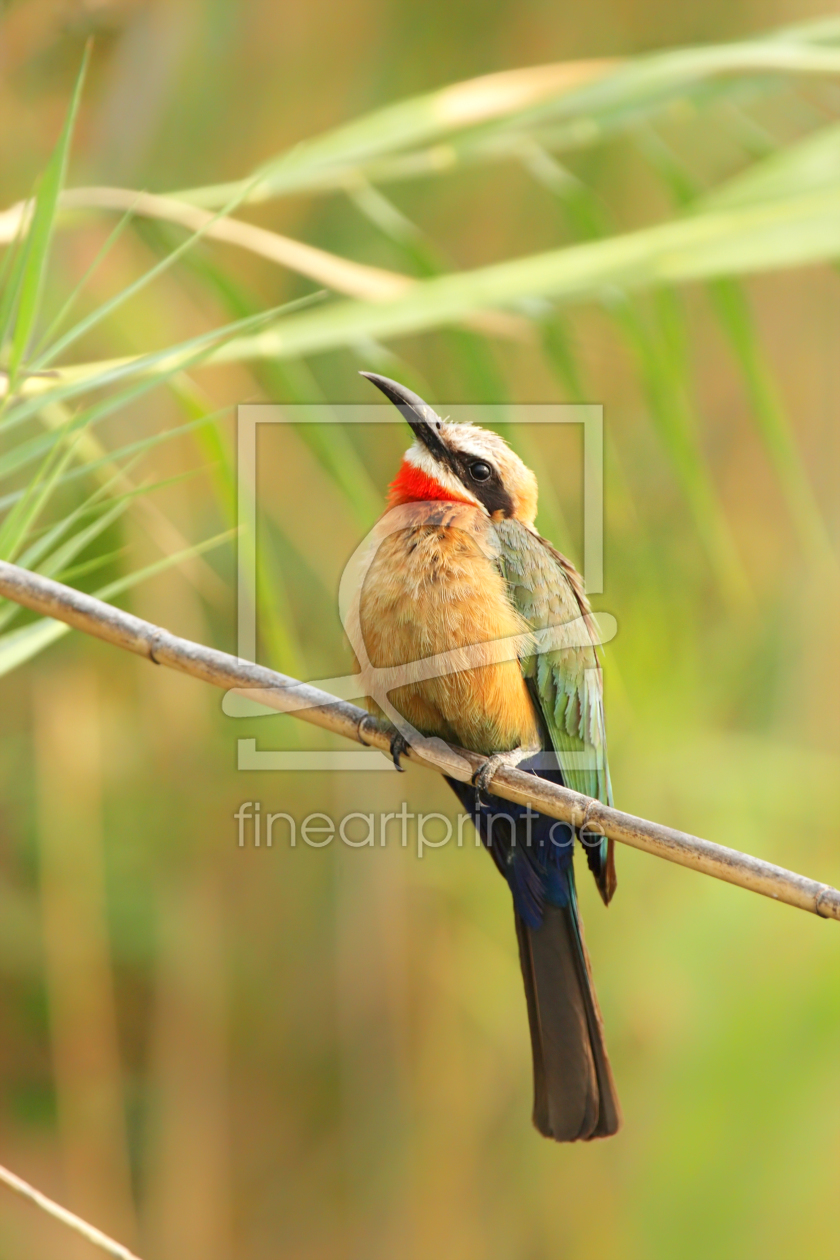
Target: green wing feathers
column 566, row 682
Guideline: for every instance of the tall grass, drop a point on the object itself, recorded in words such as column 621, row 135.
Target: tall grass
column 344, row 1030
column 779, row 211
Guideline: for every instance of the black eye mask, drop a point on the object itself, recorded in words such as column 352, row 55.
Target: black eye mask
column 487, row 489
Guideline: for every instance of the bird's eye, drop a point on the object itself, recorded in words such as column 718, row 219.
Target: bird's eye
column 479, row 471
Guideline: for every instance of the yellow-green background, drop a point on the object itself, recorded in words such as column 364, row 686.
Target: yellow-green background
column 214, row 1052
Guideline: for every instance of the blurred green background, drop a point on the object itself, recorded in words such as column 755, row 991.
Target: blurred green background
column 214, row 1052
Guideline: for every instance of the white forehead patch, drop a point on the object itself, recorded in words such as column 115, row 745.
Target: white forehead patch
column 468, row 439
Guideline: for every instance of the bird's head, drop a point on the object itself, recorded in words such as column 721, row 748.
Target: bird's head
column 458, row 462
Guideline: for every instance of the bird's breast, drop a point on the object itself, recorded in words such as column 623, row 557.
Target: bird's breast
column 433, row 588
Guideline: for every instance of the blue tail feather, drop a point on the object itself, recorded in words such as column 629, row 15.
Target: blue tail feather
column 532, row 851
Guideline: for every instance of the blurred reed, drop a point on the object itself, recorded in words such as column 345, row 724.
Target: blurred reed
column 330, row 1055
column 77, row 957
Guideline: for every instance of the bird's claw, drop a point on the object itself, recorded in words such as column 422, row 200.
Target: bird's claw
column 399, row 747
column 481, row 778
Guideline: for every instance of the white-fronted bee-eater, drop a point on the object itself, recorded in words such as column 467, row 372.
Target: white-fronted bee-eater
column 467, row 567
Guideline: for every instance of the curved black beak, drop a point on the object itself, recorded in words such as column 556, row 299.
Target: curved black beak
column 423, row 419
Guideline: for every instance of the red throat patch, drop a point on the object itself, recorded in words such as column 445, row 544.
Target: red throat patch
column 412, row 485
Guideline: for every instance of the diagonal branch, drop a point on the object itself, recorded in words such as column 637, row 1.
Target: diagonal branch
column 288, row 695
column 90, row 1232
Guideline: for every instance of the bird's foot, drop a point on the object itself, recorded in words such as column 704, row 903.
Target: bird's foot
column 482, row 777
column 399, row 747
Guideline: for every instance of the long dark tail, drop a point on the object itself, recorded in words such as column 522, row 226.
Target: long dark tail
column 574, row 1094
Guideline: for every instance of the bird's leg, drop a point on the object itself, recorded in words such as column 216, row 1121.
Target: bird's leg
column 399, row 747
column 482, row 777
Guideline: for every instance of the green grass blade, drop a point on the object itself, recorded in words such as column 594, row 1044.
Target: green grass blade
column 26, row 511
column 292, row 381
column 484, row 146
column 49, row 558
column 107, row 463
column 51, row 536
column 157, row 367
column 160, row 566
column 736, row 318
column 810, row 165
column 270, row 595
column 558, row 349
column 19, row 646
column 785, row 233
column 488, row 106
column 63, row 555
column 27, row 451
column 751, row 239
column 21, row 519
column 11, row 273
column 659, row 348
column 664, row 374
column 131, row 290
column 661, row 77
column 62, row 314
column 39, row 236
column 330, row 444
column 474, row 362
column 821, row 30
column 69, row 576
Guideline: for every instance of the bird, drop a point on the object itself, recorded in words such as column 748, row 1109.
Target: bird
column 465, row 567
